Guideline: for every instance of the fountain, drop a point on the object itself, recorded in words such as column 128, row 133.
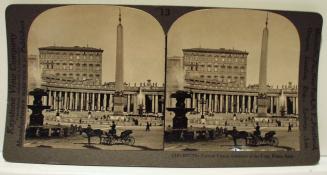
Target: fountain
column 180, row 120
column 36, row 118
column 180, row 130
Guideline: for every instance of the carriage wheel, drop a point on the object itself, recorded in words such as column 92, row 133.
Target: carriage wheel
column 274, row 141
column 108, row 140
column 253, row 142
column 129, row 140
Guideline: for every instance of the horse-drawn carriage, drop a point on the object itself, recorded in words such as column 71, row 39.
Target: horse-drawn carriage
column 268, row 139
column 109, row 138
column 253, row 139
column 124, row 138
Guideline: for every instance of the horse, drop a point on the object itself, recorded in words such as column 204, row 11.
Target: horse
column 238, row 135
column 93, row 133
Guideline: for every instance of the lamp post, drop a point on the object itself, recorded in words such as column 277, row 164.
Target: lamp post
column 58, row 99
column 90, row 103
column 202, row 102
column 140, row 110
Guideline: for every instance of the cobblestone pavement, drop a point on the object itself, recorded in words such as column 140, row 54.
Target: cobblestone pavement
column 288, row 141
column 152, row 140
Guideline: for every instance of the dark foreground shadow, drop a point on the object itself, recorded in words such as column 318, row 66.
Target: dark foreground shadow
column 91, row 147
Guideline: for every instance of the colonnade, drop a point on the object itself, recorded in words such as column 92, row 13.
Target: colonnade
column 101, row 101
column 240, row 103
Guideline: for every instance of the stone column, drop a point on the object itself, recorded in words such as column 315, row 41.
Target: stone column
column 238, row 103
column 227, row 103
column 152, row 103
column 232, row 103
column 99, row 102
column 105, row 102
column 135, row 104
column 82, row 101
column 210, row 103
column 277, row 105
column 70, row 100
column 56, row 94
column 61, row 100
column 128, row 103
column 87, row 101
column 43, row 100
column 243, row 103
column 66, row 99
column 254, row 104
column 216, row 103
column 294, row 105
column 221, row 103
column 50, row 99
column 76, row 100
column 249, row 103
column 297, row 105
column 193, row 102
column 205, row 105
column 156, row 102
column 111, row 102
column 93, row 101
column 271, row 104
column 198, row 100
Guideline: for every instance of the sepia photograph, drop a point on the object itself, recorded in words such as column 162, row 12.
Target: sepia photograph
column 95, row 79
column 232, row 82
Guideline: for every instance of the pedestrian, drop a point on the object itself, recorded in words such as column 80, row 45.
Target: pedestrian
column 289, row 127
column 113, row 128
column 88, row 133
column 234, row 134
column 257, row 129
column 147, row 128
column 80, row 121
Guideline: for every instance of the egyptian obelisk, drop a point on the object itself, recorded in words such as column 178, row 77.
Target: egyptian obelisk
column 119, row 77
column 262, row 96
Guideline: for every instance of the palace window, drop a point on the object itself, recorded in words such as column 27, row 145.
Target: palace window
column 70, row 66
column 90, row 66
column 98, row 67
column 64, row 66
column 209, row 68
column 78, row 66
column 242, row 69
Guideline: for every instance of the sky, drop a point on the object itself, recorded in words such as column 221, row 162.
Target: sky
column 95, row 26
column 241, row 30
